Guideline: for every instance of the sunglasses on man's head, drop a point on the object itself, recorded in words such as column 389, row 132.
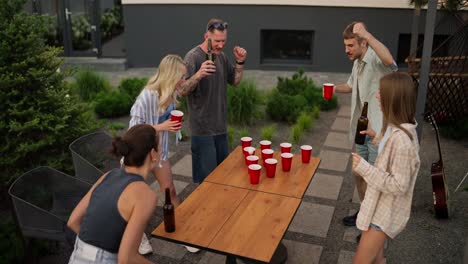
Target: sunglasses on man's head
column 218, row 25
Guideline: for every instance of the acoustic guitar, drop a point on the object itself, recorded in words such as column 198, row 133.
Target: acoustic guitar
column 439, row 185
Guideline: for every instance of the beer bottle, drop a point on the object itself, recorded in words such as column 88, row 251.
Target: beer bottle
column 168, row 211
column 362, row 125
column 209, row 53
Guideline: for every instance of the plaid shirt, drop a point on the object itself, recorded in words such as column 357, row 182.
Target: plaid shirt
column 390, row 183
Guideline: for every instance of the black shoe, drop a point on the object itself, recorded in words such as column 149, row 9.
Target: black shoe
column 350, row 220
column 358, row 238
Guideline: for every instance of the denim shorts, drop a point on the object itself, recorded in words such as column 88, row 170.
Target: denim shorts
column 376, row 227
column 84, row 253
column 367, row 151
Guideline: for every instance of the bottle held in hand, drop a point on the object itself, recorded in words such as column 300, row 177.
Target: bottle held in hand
column 363, row 121
column 209, row 53
column 169, row 214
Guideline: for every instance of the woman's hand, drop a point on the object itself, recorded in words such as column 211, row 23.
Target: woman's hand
column 369, row 131
column 356, row 159
column 168, row 125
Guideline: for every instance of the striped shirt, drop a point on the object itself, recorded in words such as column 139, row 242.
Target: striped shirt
column 390, row 183
column 145, row 111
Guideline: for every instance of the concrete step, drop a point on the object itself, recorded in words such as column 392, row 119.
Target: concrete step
column 98, row 64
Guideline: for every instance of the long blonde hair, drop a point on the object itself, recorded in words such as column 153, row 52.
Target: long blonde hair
column 398, row 96
column 164, row 81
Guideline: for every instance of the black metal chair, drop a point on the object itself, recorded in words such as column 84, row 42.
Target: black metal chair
column 91, row 157
column 43, row 199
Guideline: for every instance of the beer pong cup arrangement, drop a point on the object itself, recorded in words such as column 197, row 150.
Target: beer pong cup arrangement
column 246, row 142
column 306, row 152
column 270, row 166
column 265, row 144
column 251, row 160
column 285, row 147
column 286, row 161
column 267, row 154
column 249, row 151
column 328, row 91
column 177, row 115
column 254, row 173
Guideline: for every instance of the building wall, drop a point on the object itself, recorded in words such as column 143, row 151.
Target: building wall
column 154, row 30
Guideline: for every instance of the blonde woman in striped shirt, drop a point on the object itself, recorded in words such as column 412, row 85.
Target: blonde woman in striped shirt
column 386, row 207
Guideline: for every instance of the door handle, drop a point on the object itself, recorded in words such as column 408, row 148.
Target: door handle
column 67, row 14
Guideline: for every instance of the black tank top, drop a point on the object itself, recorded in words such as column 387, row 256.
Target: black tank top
column 103, row 226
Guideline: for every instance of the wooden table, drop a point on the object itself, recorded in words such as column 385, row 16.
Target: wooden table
column 228, row 215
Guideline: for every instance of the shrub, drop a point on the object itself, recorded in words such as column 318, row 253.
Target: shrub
column 305, row 121
column 132, row 86
column 243, row 102
column 268, row 132
column 88, row 84
column 316, row 112
column 230, row 135
column 112, row 104
column 284, row 107
column 244, row 132
column 296, row 133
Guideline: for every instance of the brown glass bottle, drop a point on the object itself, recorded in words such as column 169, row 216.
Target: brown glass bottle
column 168, row 212
column 362, row 125
column 209, row 53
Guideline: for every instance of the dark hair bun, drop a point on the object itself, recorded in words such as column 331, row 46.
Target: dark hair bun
column 120, row 147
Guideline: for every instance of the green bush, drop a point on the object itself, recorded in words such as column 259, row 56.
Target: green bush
column 39, row 116
column 243, row 103
column 285, row 107
column 112, row 104
column 268, row 132
column 244, row 132
column 230, row 135
column 88, row 84
column 305, row 121
column 296, row 133
column 132, row 86
column 316, row 112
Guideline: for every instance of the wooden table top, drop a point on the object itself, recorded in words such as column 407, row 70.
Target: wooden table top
column 232, row 220
column 233, row 172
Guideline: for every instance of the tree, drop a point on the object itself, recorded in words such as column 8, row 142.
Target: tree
column 39, row 116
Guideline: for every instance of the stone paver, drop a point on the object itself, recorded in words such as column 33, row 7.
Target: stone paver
column 325, row 186
column 338, row 140
column 341, row 124
column 312, row 219
column 179, row 186
column 345, row 257
column 183, row 166
column 334, row 160
column 345, row 110
column 351, row 231
column 302, row 253
column 168, row 249
column 212, row 258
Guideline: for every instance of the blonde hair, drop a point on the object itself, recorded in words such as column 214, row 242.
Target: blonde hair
column 164, row 81
column 398, row 96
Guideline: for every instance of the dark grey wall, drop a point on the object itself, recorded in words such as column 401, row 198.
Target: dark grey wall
column 152, row 31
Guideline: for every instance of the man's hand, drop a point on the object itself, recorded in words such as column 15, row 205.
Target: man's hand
column 361, row 31
column 207, row 68
column 240, row 54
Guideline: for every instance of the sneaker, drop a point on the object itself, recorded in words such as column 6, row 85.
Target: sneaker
column 145, row 246
column 192, row 249
column 350, row 220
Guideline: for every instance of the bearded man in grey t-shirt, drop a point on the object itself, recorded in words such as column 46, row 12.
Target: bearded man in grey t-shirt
column 206, row 88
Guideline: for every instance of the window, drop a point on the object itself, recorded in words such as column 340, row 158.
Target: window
column 287, row 46
column 404, row 43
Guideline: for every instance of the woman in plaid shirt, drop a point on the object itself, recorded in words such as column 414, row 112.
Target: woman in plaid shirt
column 390, row 182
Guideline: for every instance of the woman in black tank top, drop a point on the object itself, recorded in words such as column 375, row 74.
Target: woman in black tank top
column 111, row 217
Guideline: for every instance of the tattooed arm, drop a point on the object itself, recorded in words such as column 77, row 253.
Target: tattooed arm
column 206, row 69
column 239, row 71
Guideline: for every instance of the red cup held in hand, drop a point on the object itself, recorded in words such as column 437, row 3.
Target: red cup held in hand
column 254, row 173
column 328, row 91
column 177, row 115
column 285, row 147
column 270, row 166
column 286, row 161
column 265, row 144
column 246, row 142
column 306, row 152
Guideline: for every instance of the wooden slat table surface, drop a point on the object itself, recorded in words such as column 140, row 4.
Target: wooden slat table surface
column 203, row 213
column 257, row 226
column 233, row 171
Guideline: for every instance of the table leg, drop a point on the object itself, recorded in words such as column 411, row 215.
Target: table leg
column 279, row 257
column 231, row 259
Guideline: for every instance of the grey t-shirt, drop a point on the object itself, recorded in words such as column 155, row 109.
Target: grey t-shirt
column 207, row 103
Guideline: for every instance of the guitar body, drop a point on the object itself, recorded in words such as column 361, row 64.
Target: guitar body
column 439, row 190
column 439, row 185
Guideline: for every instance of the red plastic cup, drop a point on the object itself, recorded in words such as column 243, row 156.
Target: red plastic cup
column 265, row 144
column 328, row 91
column 251, row 160
column 286, row 161
column 177, row 115
column 246, row 142
column 270, row 166
column 267, row 154
column 254, row 173
column 306, row 152
column 249, row 151
column 285, row 147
